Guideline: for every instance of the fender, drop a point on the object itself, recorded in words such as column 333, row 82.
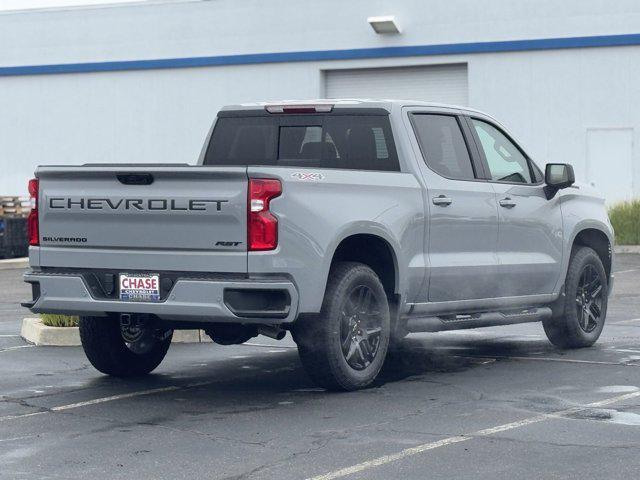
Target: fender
column 373, row 229
column 587, row 224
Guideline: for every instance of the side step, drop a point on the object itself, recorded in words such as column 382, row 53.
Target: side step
column 476, row 320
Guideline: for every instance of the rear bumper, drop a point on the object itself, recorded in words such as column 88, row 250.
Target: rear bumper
column 189, row 300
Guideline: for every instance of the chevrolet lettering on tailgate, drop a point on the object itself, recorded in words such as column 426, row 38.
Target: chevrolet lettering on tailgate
column 134, row 204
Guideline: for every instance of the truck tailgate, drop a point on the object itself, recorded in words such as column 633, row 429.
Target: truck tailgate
column 185, row 218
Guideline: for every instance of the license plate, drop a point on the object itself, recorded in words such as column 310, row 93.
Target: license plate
column 139, row 287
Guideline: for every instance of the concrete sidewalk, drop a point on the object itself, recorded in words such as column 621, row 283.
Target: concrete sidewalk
column 9, row 263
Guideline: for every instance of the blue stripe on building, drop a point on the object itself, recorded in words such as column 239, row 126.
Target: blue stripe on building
column 319, row 55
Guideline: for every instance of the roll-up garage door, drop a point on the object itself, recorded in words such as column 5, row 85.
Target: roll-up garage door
column 433, row 83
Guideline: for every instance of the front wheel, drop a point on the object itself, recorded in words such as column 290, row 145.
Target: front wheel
column 344, row 348
column 125, row 346
column 585, row 304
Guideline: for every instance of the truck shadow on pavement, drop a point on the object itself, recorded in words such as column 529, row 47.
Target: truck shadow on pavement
column 243, row 380
column 424, row 355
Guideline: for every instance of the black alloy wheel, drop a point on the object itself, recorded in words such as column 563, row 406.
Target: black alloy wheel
column 580, row 314
column 360, row 327
column 345, row 346
column 589, row 299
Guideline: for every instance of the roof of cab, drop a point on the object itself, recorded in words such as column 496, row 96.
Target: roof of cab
column 387, row 104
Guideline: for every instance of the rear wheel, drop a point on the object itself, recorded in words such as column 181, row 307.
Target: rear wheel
column 345, row 347
column 585, row 304
column 123, row 347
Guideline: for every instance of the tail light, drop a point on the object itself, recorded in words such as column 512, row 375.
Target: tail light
column 32, row 220
column 262, row 225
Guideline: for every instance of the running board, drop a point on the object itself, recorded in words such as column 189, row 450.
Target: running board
column 476, row 320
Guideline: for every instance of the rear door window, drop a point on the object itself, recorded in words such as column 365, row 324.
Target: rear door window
column 443, row 146
column 360, row 142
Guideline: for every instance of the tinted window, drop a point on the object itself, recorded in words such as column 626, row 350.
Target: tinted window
column 299, row 142
column 443, row 145
column 360, row 142
column 339, row 141
column 506, row 163
column 242, row 141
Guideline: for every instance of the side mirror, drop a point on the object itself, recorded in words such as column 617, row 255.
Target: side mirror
column 558, row 176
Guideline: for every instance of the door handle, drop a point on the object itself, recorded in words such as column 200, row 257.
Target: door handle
column 507, row 203
column 441, row 200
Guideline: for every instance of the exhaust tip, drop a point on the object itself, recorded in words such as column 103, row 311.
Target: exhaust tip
column 272, row 331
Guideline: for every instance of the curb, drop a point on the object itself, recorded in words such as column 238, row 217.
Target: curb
column 10, row 263
column 35, row 332
column 626, row 249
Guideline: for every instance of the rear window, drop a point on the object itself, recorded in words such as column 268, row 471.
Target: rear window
column 361, row 142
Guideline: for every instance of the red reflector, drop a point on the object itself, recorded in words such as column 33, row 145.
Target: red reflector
column 32, row 221
column 32, row 228
column 262, row 225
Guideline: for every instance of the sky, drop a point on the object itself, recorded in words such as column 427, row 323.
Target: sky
column 6, row 5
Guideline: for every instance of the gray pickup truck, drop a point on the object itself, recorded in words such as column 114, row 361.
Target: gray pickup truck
column 348, row 223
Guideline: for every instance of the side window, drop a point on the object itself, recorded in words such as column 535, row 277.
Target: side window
column 506, row 162
column 443, row 146
column 361, row 142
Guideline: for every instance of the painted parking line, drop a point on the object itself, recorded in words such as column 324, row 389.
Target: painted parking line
column 8, row 349
column 633, row 320
column 95, row 401
column 553, row 359
column 627, row 271
column 408, row 452
column 24, row 415
column 111, row 398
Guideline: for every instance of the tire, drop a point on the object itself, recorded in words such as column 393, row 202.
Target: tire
column 344, row 348
column 575, row 329
column 103, row 343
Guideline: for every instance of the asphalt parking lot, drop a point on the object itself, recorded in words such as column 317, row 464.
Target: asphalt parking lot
column 497, row 403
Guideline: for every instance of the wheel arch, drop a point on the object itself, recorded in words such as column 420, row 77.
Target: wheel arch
column 373, row 247
column 598, row 240
column 373, row 251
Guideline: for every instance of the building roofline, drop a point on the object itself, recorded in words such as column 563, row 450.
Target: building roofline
column 92, row 6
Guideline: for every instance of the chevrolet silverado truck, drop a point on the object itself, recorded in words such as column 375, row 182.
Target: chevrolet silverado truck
column 349, row 223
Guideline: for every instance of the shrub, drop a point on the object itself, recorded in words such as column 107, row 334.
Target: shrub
column 625, row 218
column 59, row 320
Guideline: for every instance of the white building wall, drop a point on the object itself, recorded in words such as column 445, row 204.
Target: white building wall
column 547, row 98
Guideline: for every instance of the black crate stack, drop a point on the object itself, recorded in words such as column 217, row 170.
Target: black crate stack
column 13, row 227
